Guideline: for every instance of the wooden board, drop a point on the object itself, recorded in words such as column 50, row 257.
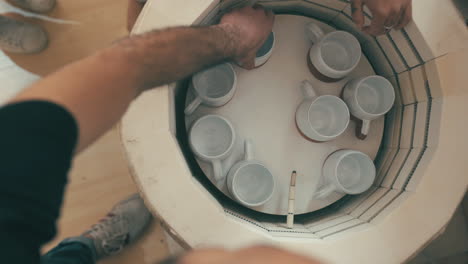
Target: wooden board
column 95, row 24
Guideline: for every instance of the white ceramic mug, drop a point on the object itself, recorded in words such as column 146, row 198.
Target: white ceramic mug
column 265, row 52
column 348, row 172
column 213, row 87
column 321, row 118
column 333, row 55
column 212, row 139
column 249, row 181
column 369, row 98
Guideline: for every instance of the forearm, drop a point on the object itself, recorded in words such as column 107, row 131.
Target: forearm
column 97, row 90
column 169, row 55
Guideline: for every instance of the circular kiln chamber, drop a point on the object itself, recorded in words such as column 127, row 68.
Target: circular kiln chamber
column 417, row 186
column 404, row 146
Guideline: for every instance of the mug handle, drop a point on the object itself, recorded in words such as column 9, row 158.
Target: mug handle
column 324, row 192
column 217, row 170
column 193, row 106
column 365, row 127
column 307, row 89
column 248, row 151
column 314, row 32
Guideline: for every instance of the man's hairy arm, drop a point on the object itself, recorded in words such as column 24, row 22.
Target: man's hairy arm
column 165, row 56
column 97, row 90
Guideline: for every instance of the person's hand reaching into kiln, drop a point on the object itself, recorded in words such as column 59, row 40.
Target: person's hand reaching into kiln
column 387, row 15
column 252, row 255
column 250, row 28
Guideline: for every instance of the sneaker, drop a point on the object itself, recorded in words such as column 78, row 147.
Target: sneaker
column 122, row 225
column 21, row 37
column 39, row 6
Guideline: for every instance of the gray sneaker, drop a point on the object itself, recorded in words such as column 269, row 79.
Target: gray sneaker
column 21, row 37
column 122, row 225
column 39, row 6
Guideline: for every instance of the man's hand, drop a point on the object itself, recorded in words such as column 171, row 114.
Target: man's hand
column 387, row 14
column 249, row 28
column 253, row 255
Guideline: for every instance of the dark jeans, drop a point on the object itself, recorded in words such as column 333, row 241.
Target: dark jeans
column 79, row 250
column 71, row 251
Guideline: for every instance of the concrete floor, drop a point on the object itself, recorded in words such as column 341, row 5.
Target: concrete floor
column 451, row 247
column 100, row 175
column 462, row 6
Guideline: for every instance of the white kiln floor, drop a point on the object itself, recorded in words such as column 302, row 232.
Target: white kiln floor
column 263, row 109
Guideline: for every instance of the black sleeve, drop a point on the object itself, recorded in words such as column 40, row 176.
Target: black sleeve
column 37, row 140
